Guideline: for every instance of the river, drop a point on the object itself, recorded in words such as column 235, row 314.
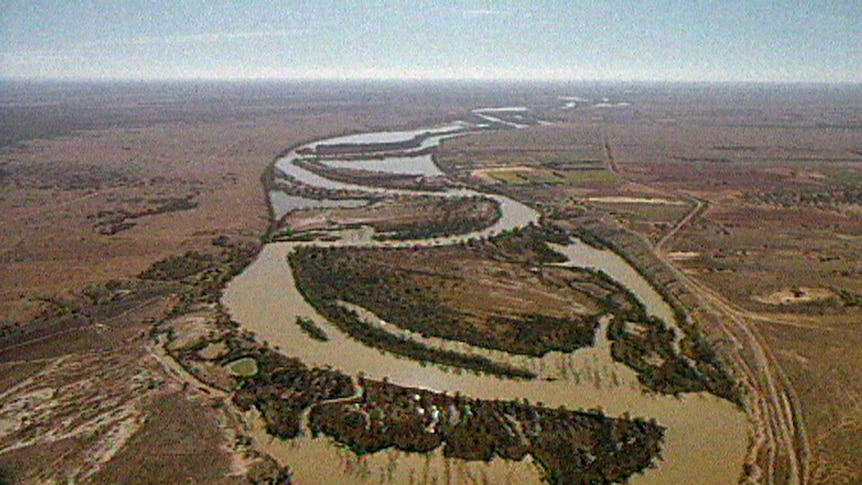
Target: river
column 706, row 436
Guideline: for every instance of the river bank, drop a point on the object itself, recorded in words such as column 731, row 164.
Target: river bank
column 265, row 297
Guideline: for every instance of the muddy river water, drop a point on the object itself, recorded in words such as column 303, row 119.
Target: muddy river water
column 705, row 440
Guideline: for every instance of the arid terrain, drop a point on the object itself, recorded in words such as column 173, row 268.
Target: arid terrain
column 97, row 183
column 127, row 209
column 751, row 196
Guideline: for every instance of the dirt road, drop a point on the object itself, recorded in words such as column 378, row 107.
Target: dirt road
column 780, row 449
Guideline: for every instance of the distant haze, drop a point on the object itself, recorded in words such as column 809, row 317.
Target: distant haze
column 661, row 40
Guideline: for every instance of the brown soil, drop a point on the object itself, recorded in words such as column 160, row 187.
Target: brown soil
column 776, row 175
column 81, row 209
column 777, row 180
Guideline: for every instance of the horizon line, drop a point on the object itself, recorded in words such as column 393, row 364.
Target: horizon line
column 359, row 79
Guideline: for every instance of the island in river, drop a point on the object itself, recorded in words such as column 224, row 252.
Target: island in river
column 609, row 259
column 488, row 301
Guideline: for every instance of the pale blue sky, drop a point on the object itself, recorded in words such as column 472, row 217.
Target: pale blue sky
column 693, row 40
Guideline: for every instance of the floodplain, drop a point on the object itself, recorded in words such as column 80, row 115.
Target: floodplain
column 245, row 260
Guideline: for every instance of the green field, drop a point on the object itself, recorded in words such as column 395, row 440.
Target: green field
column 519, row 176
column 589, row 177
column 245, row 367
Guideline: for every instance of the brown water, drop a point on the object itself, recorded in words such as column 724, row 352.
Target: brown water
column 706, row 436
column 389, row 136
column 388, row 466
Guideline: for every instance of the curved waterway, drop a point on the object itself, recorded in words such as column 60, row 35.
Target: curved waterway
column 705, row 440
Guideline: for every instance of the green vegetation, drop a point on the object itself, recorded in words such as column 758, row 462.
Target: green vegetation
column 572, row 447
column 811, row 196
column 512, row 177
column 527, row 245
column 518, row 156
column 590, row 177
column 661, row 368
column 203, row 275
column 372, row 336
column 307, row 236
column 245, row 367
column 375, row 179
column 579, row 447
column 579, row 175
column 179, row 267
column 284, row 388
column 396, row 285
column 5, row 477
column 338, row 149
column 398, row 295
column 292, row 186
column 650, row 351
column 849, row 298
column 311, row 329
column 449, row 217
column 576, row 165
column 110, row 222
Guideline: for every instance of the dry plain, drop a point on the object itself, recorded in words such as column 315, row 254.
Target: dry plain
column 749, row 198
column 108, row 181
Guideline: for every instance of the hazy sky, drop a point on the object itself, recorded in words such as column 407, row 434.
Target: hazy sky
column 685, row 40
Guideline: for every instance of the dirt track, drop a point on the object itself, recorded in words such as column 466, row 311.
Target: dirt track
column 780, row 449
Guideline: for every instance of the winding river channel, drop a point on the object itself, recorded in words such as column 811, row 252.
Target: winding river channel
column 706, row 437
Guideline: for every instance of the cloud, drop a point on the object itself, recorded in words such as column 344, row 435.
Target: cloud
column 32, row 58
column 210, row 38
column 484, row 12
